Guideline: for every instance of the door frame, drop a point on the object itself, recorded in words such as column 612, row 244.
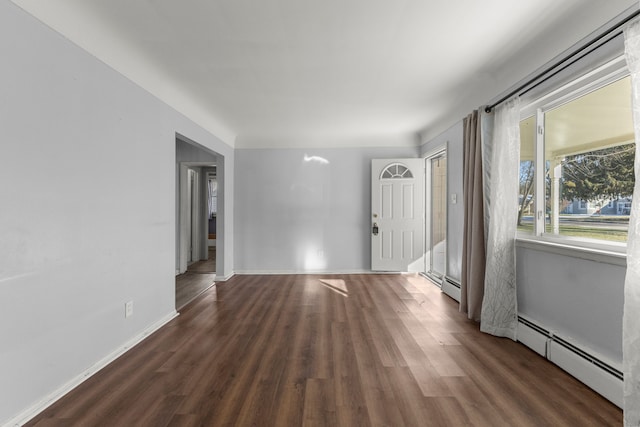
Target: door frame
column 194, row 154
column 436, row 152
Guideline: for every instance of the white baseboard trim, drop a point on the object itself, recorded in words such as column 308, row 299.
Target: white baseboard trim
column 224, row 278
column 292, row 272
column 312, row 272
column 50, row 399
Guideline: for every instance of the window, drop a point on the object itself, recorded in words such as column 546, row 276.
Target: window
column 396, row 171
column 212, row 186
column 585, row 151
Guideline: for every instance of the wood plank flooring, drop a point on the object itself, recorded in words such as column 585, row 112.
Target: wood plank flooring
column 352, row 350
column 199, row 277
column 205, row 266
column 190, row 285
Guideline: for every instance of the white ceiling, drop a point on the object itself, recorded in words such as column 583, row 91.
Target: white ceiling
column 315, row 73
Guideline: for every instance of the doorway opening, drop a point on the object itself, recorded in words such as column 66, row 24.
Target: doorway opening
column 198, row 241
column 436, row 215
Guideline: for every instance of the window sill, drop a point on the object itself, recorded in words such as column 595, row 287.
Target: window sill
column 615, row 255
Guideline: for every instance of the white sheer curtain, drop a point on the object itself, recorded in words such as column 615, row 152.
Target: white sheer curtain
column 631, row 314
column 501, row 159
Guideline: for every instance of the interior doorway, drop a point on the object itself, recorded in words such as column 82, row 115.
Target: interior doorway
column 198, row 242
column 436, row 215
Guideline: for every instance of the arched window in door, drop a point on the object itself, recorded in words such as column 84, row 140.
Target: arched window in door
column 396, row 171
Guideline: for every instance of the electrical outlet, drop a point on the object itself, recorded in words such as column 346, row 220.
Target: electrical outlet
column 128, row 309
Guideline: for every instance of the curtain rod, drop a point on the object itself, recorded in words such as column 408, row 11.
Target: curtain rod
column 573, row 57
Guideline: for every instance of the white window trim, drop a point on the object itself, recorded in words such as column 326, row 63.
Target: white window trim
column 608, row 253
column 592, row 249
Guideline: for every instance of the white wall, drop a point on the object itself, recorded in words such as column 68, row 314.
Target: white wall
column 93, row 227
column 452, row 138
column 188, row 152
column 296, row 216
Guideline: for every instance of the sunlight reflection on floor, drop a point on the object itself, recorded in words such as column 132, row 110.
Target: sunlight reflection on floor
column 336, row 285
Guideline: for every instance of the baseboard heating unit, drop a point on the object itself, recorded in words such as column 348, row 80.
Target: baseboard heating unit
column 596, row 373
column 451, row 287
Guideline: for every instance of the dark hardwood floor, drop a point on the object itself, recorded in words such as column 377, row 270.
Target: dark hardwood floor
column 190, row 285
column 205, row 266
column 353, row 350
column 199, row 277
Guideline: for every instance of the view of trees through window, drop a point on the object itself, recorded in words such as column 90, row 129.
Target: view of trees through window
column 526, row 201
column 589, row 153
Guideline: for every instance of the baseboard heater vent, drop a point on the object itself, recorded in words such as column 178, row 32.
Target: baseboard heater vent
column 589, row 358
column 452, row 282
column 601, row 376
column 534, row 326
column 451, row 287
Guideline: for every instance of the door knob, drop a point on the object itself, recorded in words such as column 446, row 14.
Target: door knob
column 375, row 229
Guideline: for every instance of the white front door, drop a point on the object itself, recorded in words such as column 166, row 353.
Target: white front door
column 397, row 215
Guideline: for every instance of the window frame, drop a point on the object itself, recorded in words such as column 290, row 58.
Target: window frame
column 593, row 80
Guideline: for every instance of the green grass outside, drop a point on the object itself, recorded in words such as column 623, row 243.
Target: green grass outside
column 583, row 231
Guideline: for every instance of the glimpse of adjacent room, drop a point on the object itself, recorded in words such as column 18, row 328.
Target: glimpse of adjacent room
column 196, row 221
